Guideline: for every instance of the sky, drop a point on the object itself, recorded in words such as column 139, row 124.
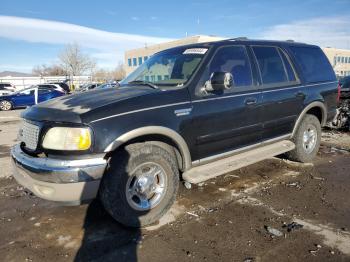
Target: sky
column 34, row 32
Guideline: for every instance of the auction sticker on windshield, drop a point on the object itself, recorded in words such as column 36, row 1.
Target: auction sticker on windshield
column 200, row 51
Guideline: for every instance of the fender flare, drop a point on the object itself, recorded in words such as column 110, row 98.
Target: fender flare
column 307, row 108
column 155, row 130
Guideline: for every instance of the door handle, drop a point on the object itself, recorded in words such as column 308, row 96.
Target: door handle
column 250, row 101
column 299, row 94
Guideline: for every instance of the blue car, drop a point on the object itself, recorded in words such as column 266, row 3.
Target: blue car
column 27, row 97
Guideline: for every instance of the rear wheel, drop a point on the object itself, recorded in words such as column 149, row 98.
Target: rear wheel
column 5, row 105
column 307, row 140
column 140, row 183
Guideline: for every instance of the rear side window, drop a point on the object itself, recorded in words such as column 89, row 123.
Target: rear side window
column 314, row 64
column 270, row 64
column 234, row 60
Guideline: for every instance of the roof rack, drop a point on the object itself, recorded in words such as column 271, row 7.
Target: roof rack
column 239, row 38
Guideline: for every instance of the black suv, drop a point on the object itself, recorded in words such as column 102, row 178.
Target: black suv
column 191, row 112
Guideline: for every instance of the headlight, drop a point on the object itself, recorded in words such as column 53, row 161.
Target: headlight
column 67, row 138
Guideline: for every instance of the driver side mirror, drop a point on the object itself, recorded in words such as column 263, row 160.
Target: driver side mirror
column 219, row 81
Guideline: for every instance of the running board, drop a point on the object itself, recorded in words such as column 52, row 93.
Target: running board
column 204, row 172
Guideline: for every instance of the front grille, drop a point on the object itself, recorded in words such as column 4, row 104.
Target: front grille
column 29, row 135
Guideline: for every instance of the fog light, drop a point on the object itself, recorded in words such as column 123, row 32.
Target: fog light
column 44, row 190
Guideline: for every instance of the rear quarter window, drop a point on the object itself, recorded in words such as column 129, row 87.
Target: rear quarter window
column 313, row 63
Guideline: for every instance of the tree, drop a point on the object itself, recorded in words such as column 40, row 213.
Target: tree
column 74, row 61
column 119, row 72
column 52, row 70
column 107, row 75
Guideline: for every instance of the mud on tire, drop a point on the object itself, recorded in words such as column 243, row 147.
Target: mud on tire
column 114, row 185
column 302, row 153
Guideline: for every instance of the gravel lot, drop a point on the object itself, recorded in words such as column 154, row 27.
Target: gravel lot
column 241, row 216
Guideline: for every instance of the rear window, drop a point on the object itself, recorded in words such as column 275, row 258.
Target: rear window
column 314, row 64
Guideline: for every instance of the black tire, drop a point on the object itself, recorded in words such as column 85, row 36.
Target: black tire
column 6, row 107
column 113, row 188
column 300, row 154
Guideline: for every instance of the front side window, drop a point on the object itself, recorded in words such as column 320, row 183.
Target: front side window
column 44, row 90
column 172, row 67
column 129, row 62
column 27, row 92
column 234, row 60
column 270, row 64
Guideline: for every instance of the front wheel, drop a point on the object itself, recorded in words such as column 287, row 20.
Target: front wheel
column 307, row 140
column 5, row 105
column 140, row 183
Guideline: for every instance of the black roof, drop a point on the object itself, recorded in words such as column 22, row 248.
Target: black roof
column 243, row 40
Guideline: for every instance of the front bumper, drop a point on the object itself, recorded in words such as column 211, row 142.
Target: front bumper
column 70, row 181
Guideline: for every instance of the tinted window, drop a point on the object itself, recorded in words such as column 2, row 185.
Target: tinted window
column 288, row 67
column 345, row 82
column 314, row 64
column 270, row 65
column 234, row 60
column 44, row 90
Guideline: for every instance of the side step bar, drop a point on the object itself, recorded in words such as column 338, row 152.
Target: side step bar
column 204, row 172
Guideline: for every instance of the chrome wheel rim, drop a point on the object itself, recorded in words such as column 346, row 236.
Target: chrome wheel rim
column 146, row 186
column 5, row 105
column 309, row 139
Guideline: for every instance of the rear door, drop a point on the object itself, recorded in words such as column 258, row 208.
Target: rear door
column 282, row 98
column 228, row 120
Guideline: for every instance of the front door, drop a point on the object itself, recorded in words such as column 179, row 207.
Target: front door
column 223, row 122
column 25, row 98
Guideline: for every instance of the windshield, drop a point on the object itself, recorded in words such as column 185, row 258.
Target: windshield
column 169, row 68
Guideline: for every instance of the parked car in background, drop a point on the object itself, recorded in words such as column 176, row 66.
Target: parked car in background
column 342, row 118
column 27, row 97
column 107, row 85
column 64, row 86
column 88, row 87
column 344, row 84
column 6, row 89
column 53, row 86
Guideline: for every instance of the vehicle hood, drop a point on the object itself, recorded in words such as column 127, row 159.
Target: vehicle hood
column 71, row 108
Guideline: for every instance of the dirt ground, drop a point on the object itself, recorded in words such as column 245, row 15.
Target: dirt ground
column 241, row 216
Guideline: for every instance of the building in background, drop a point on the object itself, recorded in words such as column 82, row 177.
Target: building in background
column 135, row 57
column 339, row 58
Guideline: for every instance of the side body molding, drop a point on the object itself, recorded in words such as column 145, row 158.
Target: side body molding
column 307, row 108
column 155, row 130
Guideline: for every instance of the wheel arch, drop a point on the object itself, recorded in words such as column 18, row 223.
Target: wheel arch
column 156, row 133
column 316, row 108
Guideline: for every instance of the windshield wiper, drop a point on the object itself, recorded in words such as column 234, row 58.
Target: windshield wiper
column 142, row 82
